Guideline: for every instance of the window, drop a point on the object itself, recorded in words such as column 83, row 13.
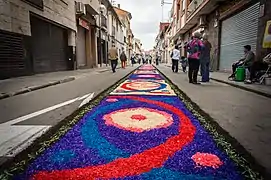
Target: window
column 117, row 24
column 124, row 39
column 36, row 3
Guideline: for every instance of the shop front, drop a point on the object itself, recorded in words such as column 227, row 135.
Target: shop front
column 237, row 31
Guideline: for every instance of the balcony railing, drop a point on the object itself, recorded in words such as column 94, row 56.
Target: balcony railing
column 192, row 7
column 103, row 21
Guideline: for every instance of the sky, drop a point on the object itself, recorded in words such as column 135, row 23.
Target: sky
column 147, row 14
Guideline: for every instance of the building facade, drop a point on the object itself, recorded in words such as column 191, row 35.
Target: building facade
column 86, row 44
column 229, row 25
column 161, row 40
column 126, row 18
column 24, row 25
column 137, row 46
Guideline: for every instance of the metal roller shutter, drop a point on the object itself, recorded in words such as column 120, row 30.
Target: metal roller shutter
column 81, row 47
column 49, row 46
column 238, row 31
column 12, row 61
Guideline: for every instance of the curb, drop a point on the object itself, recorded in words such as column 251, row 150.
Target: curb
column 244, row 88
column 241, row 87
column 105, row 70
column 34, row 88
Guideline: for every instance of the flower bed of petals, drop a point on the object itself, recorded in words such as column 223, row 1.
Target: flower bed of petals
column 137, row 136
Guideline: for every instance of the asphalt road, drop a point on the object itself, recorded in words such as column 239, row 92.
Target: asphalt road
column 24, row 116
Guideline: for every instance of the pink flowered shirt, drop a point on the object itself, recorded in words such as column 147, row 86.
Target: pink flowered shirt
column 194, row 48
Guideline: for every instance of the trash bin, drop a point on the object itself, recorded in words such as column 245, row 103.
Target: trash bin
column 240, row 74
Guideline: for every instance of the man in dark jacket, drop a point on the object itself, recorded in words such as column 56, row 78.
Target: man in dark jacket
column 123, row 59
column 247, row 61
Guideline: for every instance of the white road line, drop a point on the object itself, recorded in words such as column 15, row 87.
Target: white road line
column 86, row 100
column 34, row 114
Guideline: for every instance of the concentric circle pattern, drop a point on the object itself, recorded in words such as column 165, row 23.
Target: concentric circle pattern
column 141, row 130
column 138, row 119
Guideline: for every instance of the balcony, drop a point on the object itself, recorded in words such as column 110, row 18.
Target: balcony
column 192, row 7
column 103, row 21
column 195, row 9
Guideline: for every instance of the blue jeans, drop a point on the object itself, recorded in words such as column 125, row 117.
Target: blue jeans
column 205, row 71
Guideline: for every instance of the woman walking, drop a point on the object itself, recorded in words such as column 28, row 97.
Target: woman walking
column 194, row 48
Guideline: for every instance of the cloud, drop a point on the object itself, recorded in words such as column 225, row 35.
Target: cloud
column 147, row 15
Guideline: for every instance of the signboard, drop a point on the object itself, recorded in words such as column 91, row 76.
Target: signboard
column 267, row 35
column 83, row 23
column 261, row 14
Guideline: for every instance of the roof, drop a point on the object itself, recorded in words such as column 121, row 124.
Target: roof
column 163, row 25
column 122, row 12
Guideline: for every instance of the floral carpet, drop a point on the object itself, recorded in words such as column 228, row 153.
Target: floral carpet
column 141, row 129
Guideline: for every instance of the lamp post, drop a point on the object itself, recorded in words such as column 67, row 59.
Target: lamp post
column 162, row 4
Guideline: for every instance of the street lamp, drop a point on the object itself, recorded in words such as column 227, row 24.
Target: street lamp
column 162, row 4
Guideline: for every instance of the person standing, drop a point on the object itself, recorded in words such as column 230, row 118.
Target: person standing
column 133, row 59
column 123, row 59
column 175, row 56
column 113, row 57
column 205, row 60
column 194, row 48
column 157, row 58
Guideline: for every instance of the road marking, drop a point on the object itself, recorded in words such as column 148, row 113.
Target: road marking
column 87, row 99
column 17, row 138
column 34, row 114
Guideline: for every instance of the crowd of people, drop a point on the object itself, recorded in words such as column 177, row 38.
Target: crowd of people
column 113, row 57
column 199, row 48
column 198, row 58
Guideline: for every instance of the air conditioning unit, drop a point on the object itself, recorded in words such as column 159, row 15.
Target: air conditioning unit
column 202, row 20
column 80, row 8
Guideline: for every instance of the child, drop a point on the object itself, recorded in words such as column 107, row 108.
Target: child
column 184, row 63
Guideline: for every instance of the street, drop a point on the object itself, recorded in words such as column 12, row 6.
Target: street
column 132, row 122
column 26, row 115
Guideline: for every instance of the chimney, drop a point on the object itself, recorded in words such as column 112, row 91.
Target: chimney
column 119, row 6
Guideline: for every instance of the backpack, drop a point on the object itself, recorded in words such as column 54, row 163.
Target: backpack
column 194, row 47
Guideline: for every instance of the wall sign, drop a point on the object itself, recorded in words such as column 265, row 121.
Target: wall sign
column 83, row 23
column 267, row 35
column 262, row 7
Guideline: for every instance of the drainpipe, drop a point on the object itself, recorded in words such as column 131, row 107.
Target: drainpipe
column 100, row 39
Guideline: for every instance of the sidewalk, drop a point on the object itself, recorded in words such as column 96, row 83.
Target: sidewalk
column 20, row 85
column 255, row 88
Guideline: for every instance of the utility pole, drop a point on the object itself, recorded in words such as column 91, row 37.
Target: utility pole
column 162, row 4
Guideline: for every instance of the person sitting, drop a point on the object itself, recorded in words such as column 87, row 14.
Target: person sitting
column 247, row 61
column 258, row 66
